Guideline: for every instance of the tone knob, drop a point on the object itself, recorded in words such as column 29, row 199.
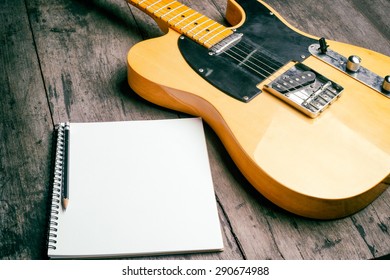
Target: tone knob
column 353, row 63
column 386, row 84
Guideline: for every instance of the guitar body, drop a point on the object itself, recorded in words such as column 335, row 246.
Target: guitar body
column 325, row 167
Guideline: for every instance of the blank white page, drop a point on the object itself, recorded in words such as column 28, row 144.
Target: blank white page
column 138, row 188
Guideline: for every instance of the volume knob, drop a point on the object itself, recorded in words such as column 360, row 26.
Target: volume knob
column 353, row 63
column 386, row 84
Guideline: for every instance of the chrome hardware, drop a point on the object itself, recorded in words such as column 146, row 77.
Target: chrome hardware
column 340, row 62
column 386, row 84
column 305, row 89
column 353, row 63
column 226, row 43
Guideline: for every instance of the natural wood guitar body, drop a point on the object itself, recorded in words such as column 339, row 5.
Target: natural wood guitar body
column 324, row 168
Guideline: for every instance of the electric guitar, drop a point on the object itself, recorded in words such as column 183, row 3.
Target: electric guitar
column 306, row 122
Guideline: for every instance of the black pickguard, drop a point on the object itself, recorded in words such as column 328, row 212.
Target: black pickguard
column 263, row 31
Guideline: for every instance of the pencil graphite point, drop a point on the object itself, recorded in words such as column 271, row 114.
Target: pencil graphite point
column 65, row 202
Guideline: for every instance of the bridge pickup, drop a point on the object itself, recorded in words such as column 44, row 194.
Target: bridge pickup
column 305, row 89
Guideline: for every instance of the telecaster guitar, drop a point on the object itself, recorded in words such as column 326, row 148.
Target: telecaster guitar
column 306, row 123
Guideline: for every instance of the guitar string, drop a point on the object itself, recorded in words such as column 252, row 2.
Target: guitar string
column 264, row 77
column 259, row 70
column 256, row 68
column 160, row 6
column 256, row 55
column 262, row 56
column 251, row 58
column 250, row 49
column 290, row 90
column 241, row 61
column 157, row 6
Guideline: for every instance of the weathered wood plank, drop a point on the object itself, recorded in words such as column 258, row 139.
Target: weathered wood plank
column 355, row 22
column 25, row 139
column 83, row 49
column 81, row 63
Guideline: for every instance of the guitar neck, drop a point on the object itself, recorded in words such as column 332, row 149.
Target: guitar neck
column 184, row 20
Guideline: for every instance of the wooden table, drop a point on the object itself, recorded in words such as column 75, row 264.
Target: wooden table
column 66, row 61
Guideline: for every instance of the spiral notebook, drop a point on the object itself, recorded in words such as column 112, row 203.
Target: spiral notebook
column 134, row 188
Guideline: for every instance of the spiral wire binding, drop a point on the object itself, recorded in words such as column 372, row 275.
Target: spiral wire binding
column 57, row 186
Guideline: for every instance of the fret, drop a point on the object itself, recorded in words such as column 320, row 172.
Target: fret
column 139, row 3
column 197, row 26
column 184, row 20
column 180, row 17
column 151, row 5
column 188, row 27
column 204, row 30
column 208, row 31
column 194, row 22
column 197, row 34
column 169, row 7
column 222, row 34
column 173, row 13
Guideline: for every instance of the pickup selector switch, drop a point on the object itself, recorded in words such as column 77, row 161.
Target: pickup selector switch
column 353, row 63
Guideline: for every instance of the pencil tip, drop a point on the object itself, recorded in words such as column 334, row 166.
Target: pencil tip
column 65, row 203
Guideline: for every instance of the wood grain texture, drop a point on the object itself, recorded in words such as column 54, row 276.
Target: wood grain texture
column 25, row 139
column 66, row 60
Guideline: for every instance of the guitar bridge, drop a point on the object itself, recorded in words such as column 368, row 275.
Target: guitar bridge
column 305, row 89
